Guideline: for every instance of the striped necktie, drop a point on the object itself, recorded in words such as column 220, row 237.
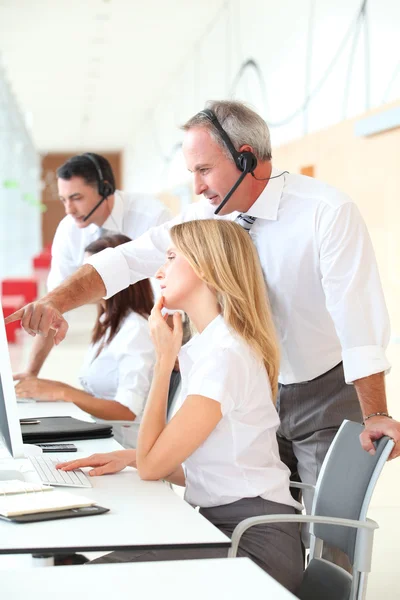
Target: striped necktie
column 245, row 221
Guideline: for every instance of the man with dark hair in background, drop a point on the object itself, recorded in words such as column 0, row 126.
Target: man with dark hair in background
column 93, row 208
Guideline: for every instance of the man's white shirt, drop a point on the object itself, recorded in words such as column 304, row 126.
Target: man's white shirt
column 132, row 215
column 320, row 268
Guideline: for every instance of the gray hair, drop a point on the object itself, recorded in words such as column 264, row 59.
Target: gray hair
column 241, row 123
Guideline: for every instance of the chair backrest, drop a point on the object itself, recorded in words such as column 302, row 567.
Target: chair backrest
column 345, row 485
column 174, row 387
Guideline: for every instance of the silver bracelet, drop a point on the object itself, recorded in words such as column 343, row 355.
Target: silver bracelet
column 377, row 414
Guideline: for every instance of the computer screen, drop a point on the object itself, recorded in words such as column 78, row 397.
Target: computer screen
column 10, row 429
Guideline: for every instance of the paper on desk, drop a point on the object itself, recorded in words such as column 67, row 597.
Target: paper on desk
column 25, row 504
column 16, row 486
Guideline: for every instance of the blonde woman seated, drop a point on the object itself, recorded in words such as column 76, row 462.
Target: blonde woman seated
column 118, row 367
column 221, row 443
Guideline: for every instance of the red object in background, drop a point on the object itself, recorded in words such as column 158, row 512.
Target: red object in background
column 17, row 292
column 10, row 304
column 26, row 287
column 42, row 261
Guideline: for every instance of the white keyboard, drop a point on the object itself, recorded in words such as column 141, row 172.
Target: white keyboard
column 45, row 467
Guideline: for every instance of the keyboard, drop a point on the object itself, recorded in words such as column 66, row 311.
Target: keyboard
column 45, row 467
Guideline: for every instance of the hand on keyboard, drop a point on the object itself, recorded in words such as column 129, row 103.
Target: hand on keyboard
column 45, row 467
column 111, row 462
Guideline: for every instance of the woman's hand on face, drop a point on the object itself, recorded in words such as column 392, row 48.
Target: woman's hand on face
column 104, row 464
column 41, row 389
column 167, row 341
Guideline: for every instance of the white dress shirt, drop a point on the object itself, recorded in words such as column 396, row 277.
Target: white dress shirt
column 320, row 268
column 132, row 215
column 123, row 372
column 240, row 458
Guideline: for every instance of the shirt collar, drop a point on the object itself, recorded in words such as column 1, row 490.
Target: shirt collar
column 202, row 342
column 114, row 221
column 267, row 204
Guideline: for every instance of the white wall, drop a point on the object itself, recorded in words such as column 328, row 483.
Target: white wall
column 20, row 217
column 303, row 48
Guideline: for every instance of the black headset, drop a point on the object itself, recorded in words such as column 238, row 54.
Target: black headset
column 104, row 188
column 245, row 161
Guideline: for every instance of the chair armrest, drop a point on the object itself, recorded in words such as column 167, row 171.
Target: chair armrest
column 369, row 526
column 109, row 422
column 302, row 486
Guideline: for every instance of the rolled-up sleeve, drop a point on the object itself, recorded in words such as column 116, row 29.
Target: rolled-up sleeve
column 113, row 268
column 353, row 291
column 131, row 262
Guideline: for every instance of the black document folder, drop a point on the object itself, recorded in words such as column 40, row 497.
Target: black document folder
column 59, row 429
column 84, row 511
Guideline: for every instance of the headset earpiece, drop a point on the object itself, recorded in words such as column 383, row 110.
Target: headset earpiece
column 247, row 161
column 105, row 189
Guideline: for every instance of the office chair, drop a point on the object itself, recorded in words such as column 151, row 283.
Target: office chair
column 338, row 517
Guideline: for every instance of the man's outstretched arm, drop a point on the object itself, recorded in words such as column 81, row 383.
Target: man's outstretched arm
column 113, row 270
column 40, row 317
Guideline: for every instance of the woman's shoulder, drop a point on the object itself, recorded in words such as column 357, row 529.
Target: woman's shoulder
column 229, row 356
column 132, row 326
column 234, row 345
column 134, row 318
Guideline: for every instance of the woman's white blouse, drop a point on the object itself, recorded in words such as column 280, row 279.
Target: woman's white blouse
column 122, row 372
column 240, row 458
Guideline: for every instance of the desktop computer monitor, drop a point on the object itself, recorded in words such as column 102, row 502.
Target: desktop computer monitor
column 10, row 429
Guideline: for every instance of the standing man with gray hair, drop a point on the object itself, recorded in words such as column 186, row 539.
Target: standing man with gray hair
column 319, row 267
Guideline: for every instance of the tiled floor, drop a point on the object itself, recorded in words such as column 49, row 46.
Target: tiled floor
column 64, row 364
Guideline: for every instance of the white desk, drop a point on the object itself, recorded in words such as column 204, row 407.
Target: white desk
column 51, row 409
column 143, row 514
column 223, row 578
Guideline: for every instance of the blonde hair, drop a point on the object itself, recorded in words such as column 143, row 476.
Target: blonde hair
column 223, row 255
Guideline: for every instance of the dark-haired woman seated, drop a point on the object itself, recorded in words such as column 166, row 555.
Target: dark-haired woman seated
column 118, row 367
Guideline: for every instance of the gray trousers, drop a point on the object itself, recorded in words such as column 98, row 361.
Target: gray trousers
column 276, row 548
column 310, row 414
